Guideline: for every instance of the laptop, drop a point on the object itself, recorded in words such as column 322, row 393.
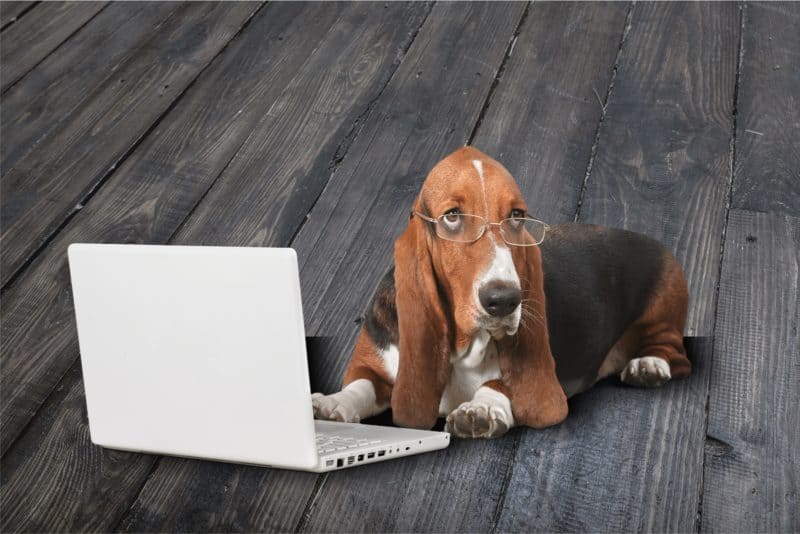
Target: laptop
column 200, row 352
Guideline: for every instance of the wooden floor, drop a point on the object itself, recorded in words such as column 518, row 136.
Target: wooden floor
column 313, row 126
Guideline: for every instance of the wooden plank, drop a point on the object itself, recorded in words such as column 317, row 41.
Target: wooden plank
column 11, row 12
column 63, row 82
column 147, row 199
column 25, row 44
column 261, row 179
column 751, row 468
column 631, row 459
column 457, row 489
column 52, row 495
column 767, row 176
column 44, row 187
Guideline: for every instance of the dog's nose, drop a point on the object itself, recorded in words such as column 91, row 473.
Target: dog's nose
column 499, row 298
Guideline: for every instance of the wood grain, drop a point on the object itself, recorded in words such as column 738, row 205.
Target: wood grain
column 26, row 43
column 11, row 12
column 44, row 187
column 278, row 150
column 753, row 422
column 767, row 176
column 457, row 489
column 625, row 458
column 148, row 198
column 67, row 78
column 69, row 485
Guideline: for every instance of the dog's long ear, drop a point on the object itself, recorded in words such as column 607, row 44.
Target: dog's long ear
column 424, row 331
column 529, row 370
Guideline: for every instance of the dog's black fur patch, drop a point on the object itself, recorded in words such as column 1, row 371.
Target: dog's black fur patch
column 597, row 281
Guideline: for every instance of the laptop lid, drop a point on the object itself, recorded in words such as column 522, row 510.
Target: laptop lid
column 194, row 351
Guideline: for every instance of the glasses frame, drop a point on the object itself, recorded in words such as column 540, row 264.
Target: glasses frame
column 486, row 223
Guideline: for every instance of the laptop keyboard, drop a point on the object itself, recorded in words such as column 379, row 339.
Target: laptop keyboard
column 327, row 443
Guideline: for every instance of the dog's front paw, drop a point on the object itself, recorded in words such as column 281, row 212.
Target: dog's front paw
column 647, row 371
column 334, row 408
column 476, row 419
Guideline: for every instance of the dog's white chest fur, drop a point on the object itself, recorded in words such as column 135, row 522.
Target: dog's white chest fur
column 471, row 368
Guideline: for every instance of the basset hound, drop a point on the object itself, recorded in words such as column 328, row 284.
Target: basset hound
column 492, row 319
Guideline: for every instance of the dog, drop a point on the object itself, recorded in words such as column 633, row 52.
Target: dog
column 493, row 319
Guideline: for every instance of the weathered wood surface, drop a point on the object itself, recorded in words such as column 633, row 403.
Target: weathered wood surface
column 753, row 420
column 68, row 77
column 146, row 200
column 751, row 455
column 41, row 31
column 155, row 189
column 459, row 489
column 44, row 187
column 221, row 164
column 10, row 12
column 662, row 168
column 768, row 112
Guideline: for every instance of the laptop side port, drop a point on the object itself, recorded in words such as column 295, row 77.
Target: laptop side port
column 360, row 457
column 340, row 462
column 381, row 453
column 350, row 460
column 371, row 455
column 328, row 463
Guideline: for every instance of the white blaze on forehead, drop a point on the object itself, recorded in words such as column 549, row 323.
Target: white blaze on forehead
column 478, row 164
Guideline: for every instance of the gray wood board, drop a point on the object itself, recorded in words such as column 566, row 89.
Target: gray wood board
column 65, row 79
column 524, row 126
column 12, row 11
column 42, row 190
column 767, row 176
column 29, row 41
column 631, row 459
column 146, row 200
column 752, row 456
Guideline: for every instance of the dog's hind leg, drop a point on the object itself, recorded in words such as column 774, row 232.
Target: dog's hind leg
column 656, row 338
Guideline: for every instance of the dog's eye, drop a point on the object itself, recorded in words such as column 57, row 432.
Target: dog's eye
column 452, row 219
column 516, row 214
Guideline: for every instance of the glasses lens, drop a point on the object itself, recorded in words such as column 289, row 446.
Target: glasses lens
column 460, row 227
column 519, row 231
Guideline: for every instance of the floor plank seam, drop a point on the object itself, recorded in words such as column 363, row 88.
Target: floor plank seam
column 305, row 517
column 728, row 204
column 21, row 14
column 358, row 125
column 51, row 52
column 129, row 511
column 604, row 104
column 92, row 190
column 498, row 74
column 506, row 481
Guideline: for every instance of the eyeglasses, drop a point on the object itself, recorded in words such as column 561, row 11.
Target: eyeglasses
column 463, row 228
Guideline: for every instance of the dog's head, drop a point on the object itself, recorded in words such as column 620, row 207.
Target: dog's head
column 456, row 274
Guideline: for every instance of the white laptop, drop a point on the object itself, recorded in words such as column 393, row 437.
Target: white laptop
column 200, row 352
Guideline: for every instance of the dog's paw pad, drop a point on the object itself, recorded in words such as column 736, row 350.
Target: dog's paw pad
column 647, row 371
column 333, row 408
column 477, row 420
